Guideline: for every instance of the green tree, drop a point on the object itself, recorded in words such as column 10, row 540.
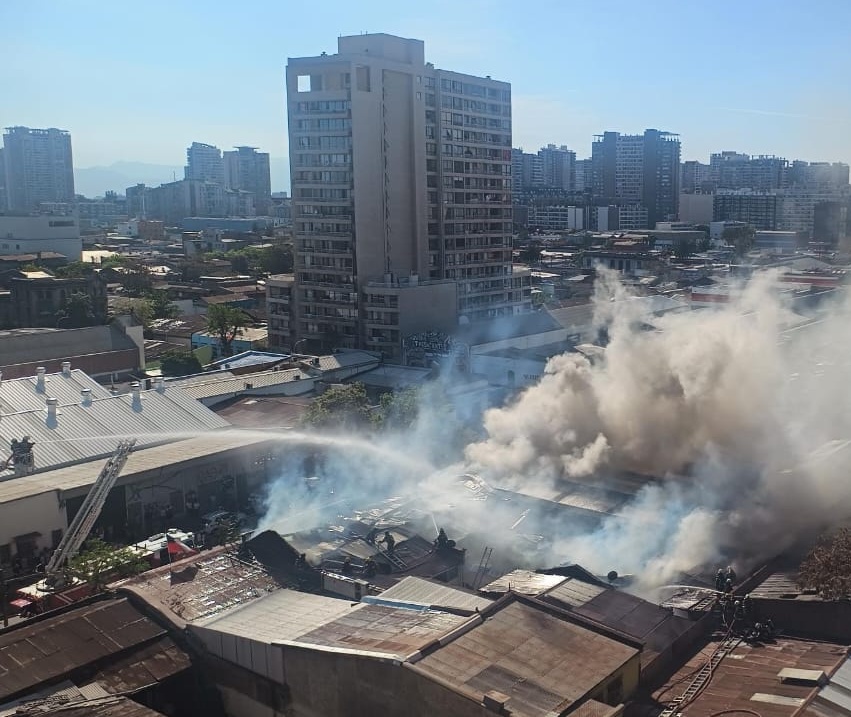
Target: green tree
column 141, row 309
column 180, row 363
column 225, row 322
column 531, row 253
column 74, row 270
column 398, row 410
column 137, row 280
column 161, row 305
column 76, row 311
column 827, row 569
column 100, row 563
column 340, row 407
column 277, row 259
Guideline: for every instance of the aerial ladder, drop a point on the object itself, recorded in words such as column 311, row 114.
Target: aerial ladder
column 85, row 518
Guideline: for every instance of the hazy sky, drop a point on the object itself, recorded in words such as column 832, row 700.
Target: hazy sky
column 140, row 81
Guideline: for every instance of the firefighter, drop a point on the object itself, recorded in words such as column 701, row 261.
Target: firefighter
column 728, row 587
column 442, row 540
column 389, row 541
column 747, row 605
column 738, row 611
column 369, row 567
column 731, row 574
column 719, row 580
column 347, row 566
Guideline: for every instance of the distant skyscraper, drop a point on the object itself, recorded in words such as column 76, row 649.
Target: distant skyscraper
column 38, row 167
column 558, row 165
column 694, row 177
column 731, row 170
column 204, row 163
column 401, row 183
column 247, row 170
column 638, row 170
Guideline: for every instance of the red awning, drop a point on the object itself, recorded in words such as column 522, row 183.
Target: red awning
column 20, row 603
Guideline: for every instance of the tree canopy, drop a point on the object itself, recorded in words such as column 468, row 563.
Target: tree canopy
column 76, row 311
column 344, row 407
column 225, row 322
column 180, row 363
column 741, row 238
column 100, row 563
column 827, row 568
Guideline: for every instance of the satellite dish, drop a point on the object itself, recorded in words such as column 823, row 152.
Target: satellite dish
column 612, row 575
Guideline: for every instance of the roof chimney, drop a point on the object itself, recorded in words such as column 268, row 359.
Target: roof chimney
column 39, row 379
column 137, row 391
column 86, row 396
column 66, row 369
column 51, row 408
column 159, row 384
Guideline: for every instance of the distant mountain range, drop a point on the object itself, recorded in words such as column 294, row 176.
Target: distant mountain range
column 95, row 181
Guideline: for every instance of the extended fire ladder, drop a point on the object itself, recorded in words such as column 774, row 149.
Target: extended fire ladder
column 85, row 518
column 702, row 677
column 394, row 560
column 483, row 567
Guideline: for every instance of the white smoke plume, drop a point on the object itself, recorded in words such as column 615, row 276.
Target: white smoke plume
column 728, row 405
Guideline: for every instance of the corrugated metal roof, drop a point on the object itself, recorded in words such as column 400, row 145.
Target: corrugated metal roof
column 540, row 660
column 104, row 707
column 143, row 668
column 394, row 631
column 38, row 652
column 84, row 432
column 83, row 475
column 748, row 670
column 236, row 384
column 201, row 586
column 412, row 589
column 282, row 615
column 23, row 394
column 573, row 593
column 525, row 582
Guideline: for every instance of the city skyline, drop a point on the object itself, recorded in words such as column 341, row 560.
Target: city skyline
column 680, row 69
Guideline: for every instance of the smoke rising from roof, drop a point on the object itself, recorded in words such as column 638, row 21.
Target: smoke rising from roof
column 742, row 421
column 725, row 404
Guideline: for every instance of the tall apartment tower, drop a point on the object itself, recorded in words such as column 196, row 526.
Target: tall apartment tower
column 38, row 167
column 559, row 167
column 247, row 170
column 204, row 163
column 401, row 183
column 641, row 171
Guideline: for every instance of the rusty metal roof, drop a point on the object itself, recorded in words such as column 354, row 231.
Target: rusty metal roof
column 103, row 707
column 45, row 650
column 747, row 678
column 532, row 653
column 654, row 626
column 393, row 631
column 143, row 668
column 201, row 586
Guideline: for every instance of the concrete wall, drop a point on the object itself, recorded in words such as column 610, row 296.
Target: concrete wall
column 41, row 513
column 523, row 342
column 696, row 208
column 510, row 372
column 29, row 235
column 430, row 307
column 99, row 366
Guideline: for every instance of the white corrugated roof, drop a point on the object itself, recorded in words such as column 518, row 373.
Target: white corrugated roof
column 85, row 432
column 412, row 589
column 24, row 394
column 281, row 615
column 235, row 384
column 83, row 475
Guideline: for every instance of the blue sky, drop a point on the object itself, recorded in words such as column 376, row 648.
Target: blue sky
column 140, row 81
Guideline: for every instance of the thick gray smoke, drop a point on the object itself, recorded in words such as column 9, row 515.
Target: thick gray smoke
column 743, row 416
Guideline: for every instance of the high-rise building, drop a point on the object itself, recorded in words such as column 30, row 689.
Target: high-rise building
column 401, row 183
column 732, row 170
column 583, row 175
column 638, row 170
column 759, row 209
column 558, row 167
column 204, row 163
column 694, row 177
column 38, row 167
column 527, row 170
column 247, row 170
